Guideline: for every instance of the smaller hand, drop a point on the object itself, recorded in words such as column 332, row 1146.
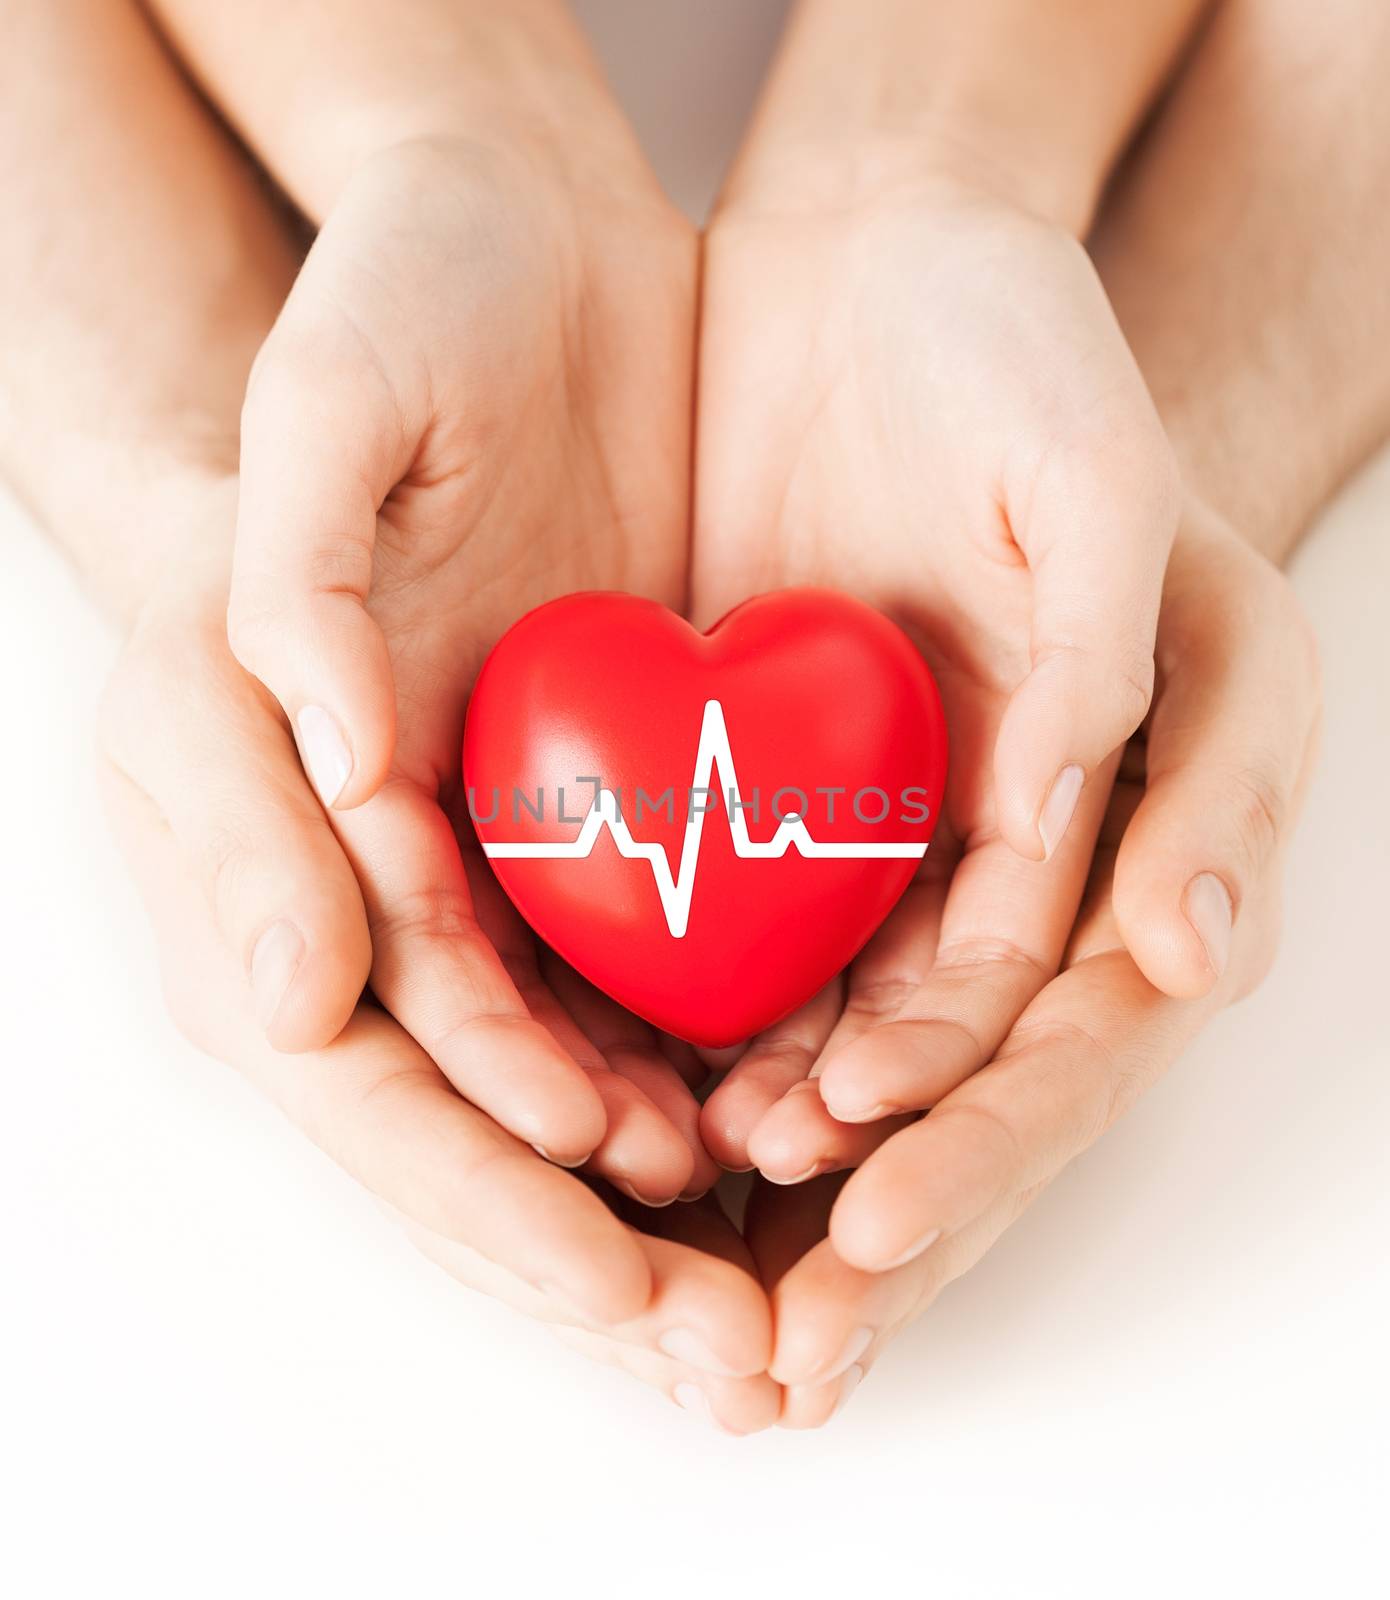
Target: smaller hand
column 475, row 399
column 1214, row 789
column 923, row 397
column 222, row 832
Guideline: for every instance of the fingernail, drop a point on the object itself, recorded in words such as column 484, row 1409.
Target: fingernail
column 924, row 1243
column 1209, row 910
column 545, row 1155
column 274, row 962
column 692, row 1398
column 642, row 1199
column 325, row 751
column 812, row 1171
column 1058, row 807
column 848, row 1384
column 862, row 1113
column 686, row 1346
column 854, row 1347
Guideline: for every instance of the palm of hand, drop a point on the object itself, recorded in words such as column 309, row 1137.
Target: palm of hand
column 919, row 446
column 504, row 371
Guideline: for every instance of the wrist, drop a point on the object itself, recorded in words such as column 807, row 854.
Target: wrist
column 512, row 76
column 942, row 160
column 163, row 552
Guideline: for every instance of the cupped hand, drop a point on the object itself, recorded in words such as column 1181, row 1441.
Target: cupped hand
column 1213, row 789
column 476, row 398
column 924, row 398
column 222, row 832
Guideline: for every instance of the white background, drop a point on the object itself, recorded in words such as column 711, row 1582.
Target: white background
column 224, row 1374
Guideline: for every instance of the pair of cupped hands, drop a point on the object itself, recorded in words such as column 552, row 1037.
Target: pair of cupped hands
column 481, row 393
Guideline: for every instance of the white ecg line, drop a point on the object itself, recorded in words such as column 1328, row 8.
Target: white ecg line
column 713, row 750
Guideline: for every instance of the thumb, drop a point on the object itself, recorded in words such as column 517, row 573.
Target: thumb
column 1098, row 527
column 316, row 448
column 1228, row 753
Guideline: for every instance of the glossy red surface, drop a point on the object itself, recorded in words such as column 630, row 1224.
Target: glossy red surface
column 817, row 692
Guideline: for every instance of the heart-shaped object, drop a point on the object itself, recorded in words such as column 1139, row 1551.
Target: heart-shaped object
column 707, row 826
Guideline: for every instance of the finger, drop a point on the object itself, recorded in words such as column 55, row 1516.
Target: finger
column 796, row 1138
column 629, row 1050
column 1002, row 930
column 378, row 1106
column 834, row 1321
column 439, row 975
column 783, row 1222
column 1228, row 751
column 195, row 734
column 704, row 1313
column 1095, row 522
column 775, row 1062
column 640, row 1152
column 321, row 447
column 733, row 1405
column 1078, row 1057
column 822, row 1309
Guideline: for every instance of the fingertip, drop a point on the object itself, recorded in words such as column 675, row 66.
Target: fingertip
column 318, row 996
column 328, row 664
column 572, row 1126
column 871, row 1233
column 724, row 1129
column 852, row 1086
column 616, row 1294
column 781, row 1145
column 1175, row 921
column 1020, row 783
column 1072, row 712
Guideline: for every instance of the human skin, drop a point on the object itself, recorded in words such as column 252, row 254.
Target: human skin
column 475, row 398
column 126, row 449
column 819, row 1302
column 1251, row 288
column 902, row 332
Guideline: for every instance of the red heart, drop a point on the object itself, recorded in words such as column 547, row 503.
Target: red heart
column 806, row 690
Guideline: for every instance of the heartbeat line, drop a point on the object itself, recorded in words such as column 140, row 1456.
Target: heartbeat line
column 676, row 892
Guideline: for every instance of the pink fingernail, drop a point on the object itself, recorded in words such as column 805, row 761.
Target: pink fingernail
column 687, row 1347
column 854, row 1347
column 871, row 1113
column 1209, row 910
column 327, row 758
column 813, row 1171
column 848, row 1384
column 912, row 1251
column 274, row 962
column 1059, row 806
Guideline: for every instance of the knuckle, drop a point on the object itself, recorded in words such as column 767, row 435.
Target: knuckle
column 228, row 860
column 1132, row 685
column 281, row 384
column 1091, row 1085
column 1255, row 792
column 247, row 628
column 425, row 913
column 879, row 997
column 969, row 960
column 998, row 1132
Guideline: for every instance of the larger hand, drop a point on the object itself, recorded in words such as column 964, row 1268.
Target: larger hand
column 1218, row 780
column 680, row 1310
